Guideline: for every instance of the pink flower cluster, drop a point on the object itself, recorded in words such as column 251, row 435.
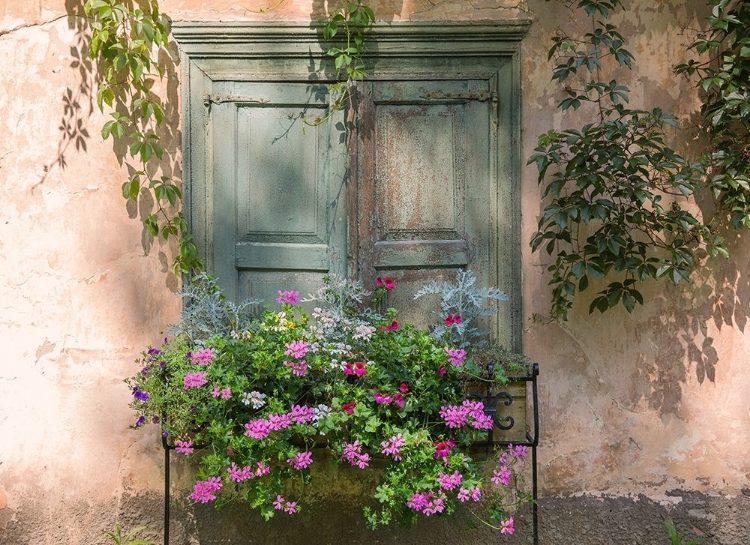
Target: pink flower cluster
column 506, row 526
column 194, row 379
column 519, row 451
column 297, row 349
column 288, row 506
column 456, row 416
column 465, row 494
column 260, row 428
column 502, row 475
column 427, row 503
column 287, row 297
column 352, row 453
column 357, row 368
column 391, row 446
column 238, row 474
column 300, row 461
column 225, row 393
column 299, row 368
column 456, row 356
column 205, row 491
column 396, row 398
column 449, row 482
column 184, row 447
column 204, row 356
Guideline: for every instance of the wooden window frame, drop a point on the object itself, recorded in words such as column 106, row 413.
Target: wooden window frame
column 249, row 51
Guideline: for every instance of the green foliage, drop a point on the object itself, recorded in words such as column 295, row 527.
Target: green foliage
column 127, row 39
column 674, row 536
column 207, row 313
column 262, row 397
column 617, row 189
column 347, row 26
column 723, row 77
column 461, row 303
column 128, row 539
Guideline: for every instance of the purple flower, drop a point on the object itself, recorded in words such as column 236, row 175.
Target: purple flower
column 287, row 297
column 154, row 351
column 139, row 422
column 139, row 394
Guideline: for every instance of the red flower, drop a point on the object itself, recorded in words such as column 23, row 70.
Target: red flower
column 379, row 282
column 348, row 408
column 360, row 369
column 404, row 387
column 452, row 319
column 388, row 283
column 399, row 400
column 392, row 327
column 442, row 370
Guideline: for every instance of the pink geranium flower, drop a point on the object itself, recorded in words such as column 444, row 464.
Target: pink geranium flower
column 287, row 297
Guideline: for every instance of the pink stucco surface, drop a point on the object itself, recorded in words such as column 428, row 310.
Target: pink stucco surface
column 630, row 404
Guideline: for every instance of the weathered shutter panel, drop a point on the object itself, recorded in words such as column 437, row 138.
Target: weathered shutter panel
column 279, row 206
column 426, row 192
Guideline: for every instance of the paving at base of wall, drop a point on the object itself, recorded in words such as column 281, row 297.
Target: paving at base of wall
column 580, row 520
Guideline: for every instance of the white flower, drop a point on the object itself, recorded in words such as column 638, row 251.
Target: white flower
column 254, row 398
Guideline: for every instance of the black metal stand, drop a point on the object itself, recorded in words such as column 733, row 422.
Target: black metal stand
column 490, row 400
column 506, row 423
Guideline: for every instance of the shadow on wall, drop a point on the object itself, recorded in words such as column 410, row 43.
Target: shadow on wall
column 673, row 332
column 718, row 295
column 79, row 104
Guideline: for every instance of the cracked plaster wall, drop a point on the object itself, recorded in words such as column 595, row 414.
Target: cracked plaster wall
column 638, row 411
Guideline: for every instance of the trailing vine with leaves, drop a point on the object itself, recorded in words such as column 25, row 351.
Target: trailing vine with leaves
column 349, row 21
column 126, row 40
column 619, row 194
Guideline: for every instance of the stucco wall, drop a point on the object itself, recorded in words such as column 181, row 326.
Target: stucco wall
column 643, row 415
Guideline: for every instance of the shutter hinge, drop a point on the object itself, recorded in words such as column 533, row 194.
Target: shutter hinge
column 218, row 98
column 481, row 96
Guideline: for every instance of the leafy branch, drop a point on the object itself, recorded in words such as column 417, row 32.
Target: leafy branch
column 349, row 21
column 724, row 80
column 617, row 189
column 127, row 40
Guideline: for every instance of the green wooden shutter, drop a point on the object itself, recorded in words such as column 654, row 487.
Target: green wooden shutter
column 427, row 194
column 279, row 206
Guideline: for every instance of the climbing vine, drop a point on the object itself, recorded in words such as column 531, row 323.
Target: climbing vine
column 349, row 22
column 126, row 41
column 618, row 208
column 723, row 76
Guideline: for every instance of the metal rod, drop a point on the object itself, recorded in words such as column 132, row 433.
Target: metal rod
column 534, row 508
column 166, row 494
